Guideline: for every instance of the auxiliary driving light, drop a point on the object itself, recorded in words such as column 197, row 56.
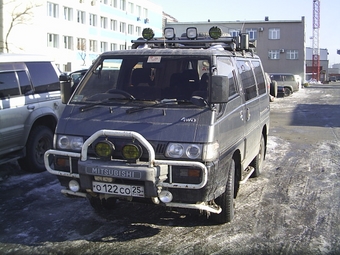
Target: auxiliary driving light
column 191, row 32
column 169, row 33
column 74, row 185
column 104, row 149
column 215, row 32
column 131, row 152
column 165, row 196
column 148, row 33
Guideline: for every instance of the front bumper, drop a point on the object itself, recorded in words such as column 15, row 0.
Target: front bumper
column 153, row 172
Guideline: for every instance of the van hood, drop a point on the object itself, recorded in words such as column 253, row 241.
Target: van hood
column 155, row 124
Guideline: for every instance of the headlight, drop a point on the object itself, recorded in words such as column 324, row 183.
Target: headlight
column 182, row 150
column 68, row 142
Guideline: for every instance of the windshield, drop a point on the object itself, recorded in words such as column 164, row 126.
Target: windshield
column 145, row 78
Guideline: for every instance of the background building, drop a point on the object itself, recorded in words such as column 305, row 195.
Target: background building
column 281, row 45
column 74, row 32
column 324, row 70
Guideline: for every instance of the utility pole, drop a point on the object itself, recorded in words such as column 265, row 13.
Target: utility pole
column 316, row 48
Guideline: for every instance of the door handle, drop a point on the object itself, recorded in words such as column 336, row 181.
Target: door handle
column 248, row 114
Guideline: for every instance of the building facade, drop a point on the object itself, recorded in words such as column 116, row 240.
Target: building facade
column 281, row 45
column 74, row 32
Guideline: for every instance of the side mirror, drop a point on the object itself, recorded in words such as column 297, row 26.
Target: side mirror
column 65, row 87
column 219, row 89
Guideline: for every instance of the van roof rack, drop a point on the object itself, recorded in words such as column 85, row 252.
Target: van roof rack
column 192, row 40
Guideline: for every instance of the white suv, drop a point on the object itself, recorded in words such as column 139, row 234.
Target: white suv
column 30, row 106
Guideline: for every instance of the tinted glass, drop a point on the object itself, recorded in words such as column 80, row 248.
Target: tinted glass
column 259, row 77
column 248, row 79
column 8, row 85
column 25, row 84
column 44, row 77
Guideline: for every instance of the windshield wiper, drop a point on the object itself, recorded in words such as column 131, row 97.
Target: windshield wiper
column 91, row 106
column 157, row 103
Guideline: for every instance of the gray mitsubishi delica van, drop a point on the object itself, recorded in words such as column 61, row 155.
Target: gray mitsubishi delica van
column 179, row 121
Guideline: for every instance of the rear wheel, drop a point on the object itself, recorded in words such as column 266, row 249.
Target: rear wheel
column 288, row 92
column 257, row 162
column 39, row 141
column 226, row 200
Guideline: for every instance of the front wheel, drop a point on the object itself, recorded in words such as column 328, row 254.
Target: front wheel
column 226, row 200
column 39, row 141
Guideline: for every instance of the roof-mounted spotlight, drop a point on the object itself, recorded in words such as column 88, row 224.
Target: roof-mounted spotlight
column 169, row 33
column 215, row 32
column 148, row 33
column 191, row 33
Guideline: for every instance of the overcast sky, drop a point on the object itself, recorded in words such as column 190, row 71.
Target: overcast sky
column 227, row 10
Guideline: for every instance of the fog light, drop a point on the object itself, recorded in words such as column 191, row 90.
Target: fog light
column 165, row 196
column 74, row 185
column 131, row 152
column 104, row 149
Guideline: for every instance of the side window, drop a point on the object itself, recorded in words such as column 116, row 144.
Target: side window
column 44, row 77
column 8, row 85
column 259, row 77
column 225, row 67
column 24, row 82
column 248, row 79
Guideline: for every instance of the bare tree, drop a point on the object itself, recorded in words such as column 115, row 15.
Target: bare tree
column 81, row 46
column 19, row 16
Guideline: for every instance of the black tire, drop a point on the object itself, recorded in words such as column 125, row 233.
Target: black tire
column 273, row 88
column 288, row 92
column 226, row 200
column 257, row 162
column 39, row 141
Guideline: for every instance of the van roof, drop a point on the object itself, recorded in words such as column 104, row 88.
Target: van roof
column 12, row 57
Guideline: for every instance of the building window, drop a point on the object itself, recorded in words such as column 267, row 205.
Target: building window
column 81, row 17
column 139, row 11
column 233, row 32
column 145, row 13
column 103, row 22
column 68, row 42
column 122, row 47
column 93, row 20
column 93, row 46
column 138, row 31
column 274, row 54
column 122, row 27
column 252, row 33
column 292, row 54
column 113, row 46
column 103, row 46
column 81, row 44
column 130, row 29
column 113, row 3
column 68, row 13
column 52, row 10
column 52, row 40
column 131, row 8
column 113, row 25
column 274, row 33
column 123, row 5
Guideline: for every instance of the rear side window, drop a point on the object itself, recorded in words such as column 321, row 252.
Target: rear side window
column 289, row 78
column 43, row 76
column 9, row 86
column 259, row 77
column 248, row 79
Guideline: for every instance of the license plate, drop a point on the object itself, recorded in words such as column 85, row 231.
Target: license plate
column 118, row 189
